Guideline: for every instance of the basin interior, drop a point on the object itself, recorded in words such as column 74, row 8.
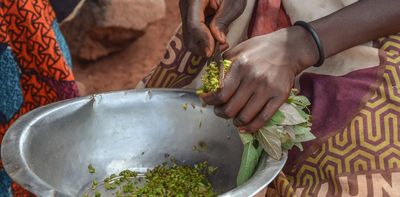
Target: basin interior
column 117, row 132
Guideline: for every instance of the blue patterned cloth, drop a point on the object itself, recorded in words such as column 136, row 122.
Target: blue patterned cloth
column 5, row 184
column 10, row 91
column 62, row 43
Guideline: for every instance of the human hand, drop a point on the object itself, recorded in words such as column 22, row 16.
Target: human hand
column 261, row 76
column 199, row 36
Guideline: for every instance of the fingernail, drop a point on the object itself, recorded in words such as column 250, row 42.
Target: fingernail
column 218, row 111
column 237, row 122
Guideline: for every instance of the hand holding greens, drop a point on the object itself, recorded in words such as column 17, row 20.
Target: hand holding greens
column 290, row 126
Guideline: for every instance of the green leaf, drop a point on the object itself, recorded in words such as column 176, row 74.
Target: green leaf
column 269, row 139
column 289, row 130
column 250, row 158
column 298, row 144
column 276, row 119
column 303, row 134
column 292, row 115
column 304, row 114
column 300, row 101
column 287, row 145
column 246, row 137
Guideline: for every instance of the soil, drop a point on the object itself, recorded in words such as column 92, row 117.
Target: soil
column 123, row 70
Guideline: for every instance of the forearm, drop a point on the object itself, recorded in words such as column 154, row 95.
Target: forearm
column 358, row 23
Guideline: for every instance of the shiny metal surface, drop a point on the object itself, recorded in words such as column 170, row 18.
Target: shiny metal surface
column 48, row 150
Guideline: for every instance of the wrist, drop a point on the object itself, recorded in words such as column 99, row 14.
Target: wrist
column 305, row 47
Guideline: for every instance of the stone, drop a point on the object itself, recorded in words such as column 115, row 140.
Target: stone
column 98, row 28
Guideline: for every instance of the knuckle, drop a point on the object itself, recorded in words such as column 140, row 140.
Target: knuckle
column 282, row 94
column 243, row 63
column 222, row 97
column 243, row 60
column 264, row 117
column 229, row 112
column 260, row 78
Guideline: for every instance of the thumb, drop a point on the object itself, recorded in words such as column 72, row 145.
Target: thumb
column 227, row 12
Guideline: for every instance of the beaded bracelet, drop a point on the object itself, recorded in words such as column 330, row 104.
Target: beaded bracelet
column 318, row 42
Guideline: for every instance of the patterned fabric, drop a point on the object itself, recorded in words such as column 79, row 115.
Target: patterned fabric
column 5, row 184
column 364, row 157
column 34, row 67
column 10, row 92
column 178, row 68
column 355, row 106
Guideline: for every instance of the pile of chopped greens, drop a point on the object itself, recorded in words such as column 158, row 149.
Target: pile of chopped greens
column 163, row 180
column 290, row 126
column 211, row 77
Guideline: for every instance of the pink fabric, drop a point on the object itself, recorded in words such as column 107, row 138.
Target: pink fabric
column 335, row 101
column 268, row 16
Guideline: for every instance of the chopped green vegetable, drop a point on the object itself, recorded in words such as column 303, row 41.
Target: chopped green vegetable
column 94, row 184
column 97, row 194
column 185, row 106
column 163, row 180
column 91, row 169
column 200, row 147
column 211, row 78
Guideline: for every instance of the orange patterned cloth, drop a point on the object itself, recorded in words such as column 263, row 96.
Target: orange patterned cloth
column 35, row 66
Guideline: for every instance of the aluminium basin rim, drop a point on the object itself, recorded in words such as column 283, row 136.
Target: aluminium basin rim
column 16, row 166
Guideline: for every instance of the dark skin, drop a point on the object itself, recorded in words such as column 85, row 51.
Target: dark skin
column 198, row 33
column 264, row 67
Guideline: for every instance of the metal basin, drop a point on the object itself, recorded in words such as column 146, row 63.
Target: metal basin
column 48, row 150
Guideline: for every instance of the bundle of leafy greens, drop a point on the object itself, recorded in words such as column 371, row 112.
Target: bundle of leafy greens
column 289, row 126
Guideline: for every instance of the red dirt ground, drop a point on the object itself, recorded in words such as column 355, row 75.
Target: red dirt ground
column 125, row 69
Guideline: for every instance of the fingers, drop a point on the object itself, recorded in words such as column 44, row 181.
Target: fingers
column 224, row 46
column 199, row 41
column 270, row 108
column 196, row 35
column 248, row 95
column 253, row 107
column 236, row 102
column 227, row 12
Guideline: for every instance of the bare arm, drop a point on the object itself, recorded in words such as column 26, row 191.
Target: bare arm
column 358, row 23
column 264, row 67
